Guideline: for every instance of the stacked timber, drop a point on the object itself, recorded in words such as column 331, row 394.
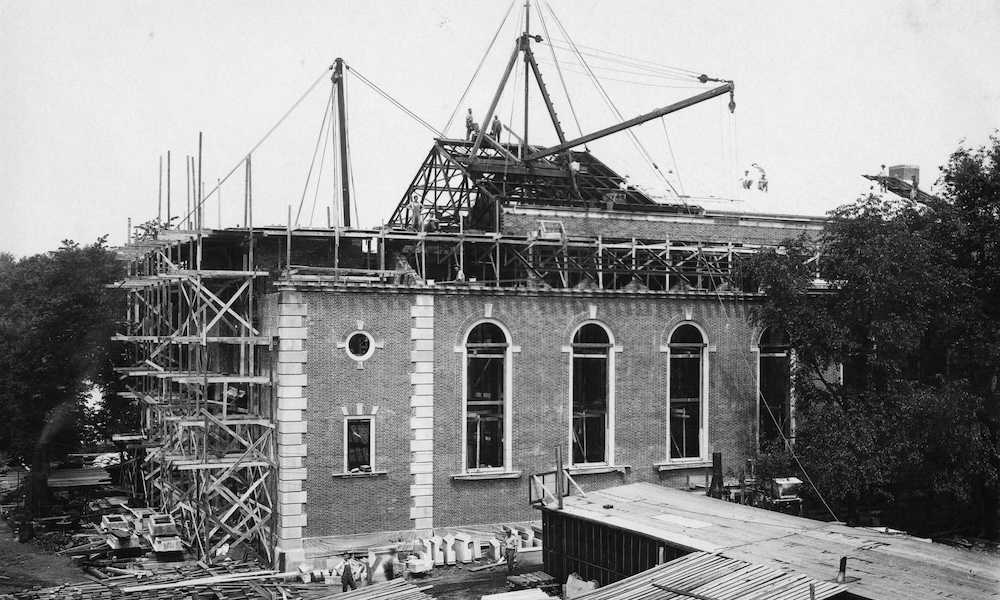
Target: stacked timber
column 198, row 581
column 396, row 589
column 537, row 579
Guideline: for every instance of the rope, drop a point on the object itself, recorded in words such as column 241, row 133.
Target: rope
column 393, row 101
column 322, row 131
column 461, row 100
column 607, row 100
column 628, row 81
column 319, row 176
column 666, row 70
column 760, row 396
column 562, row 80
column 350, row 164
column 257, row 145
column 338, row 207
column 670, row 146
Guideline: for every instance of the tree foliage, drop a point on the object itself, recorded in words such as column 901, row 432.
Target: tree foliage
column 909, row 307
column 57, row 316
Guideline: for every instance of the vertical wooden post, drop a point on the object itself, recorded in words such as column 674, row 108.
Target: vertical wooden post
column 559, row 475
column 527, row 69
column 200, row 187
column 168, row 187
column 338, row 80
column 842, row 573
column 188, row 176
column 715, row 490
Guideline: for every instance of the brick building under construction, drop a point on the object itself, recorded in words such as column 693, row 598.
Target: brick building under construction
column 311, row 384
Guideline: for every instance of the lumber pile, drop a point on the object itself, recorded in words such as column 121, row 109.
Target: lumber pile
column 396, row 589
column 199, row 581
column 537, row 579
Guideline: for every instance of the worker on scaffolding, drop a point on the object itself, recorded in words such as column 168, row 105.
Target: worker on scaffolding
column 495, row 128
column 471, row 126
column 415, row 206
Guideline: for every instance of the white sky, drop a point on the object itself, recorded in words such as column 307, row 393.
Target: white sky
column 92, row 94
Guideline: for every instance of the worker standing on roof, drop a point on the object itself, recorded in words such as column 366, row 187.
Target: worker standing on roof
column 495, row 128
column 470, row 125
column 881, row 179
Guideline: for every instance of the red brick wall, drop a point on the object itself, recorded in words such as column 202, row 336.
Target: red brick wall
column 540, row 324
column 338, row 506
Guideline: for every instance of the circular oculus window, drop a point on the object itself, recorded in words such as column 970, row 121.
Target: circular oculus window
column 360, row 345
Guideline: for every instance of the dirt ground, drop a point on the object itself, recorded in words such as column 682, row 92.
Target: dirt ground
column 27, row 566
column 24, row 566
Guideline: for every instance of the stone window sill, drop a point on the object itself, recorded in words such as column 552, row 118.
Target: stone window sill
column 368, row 474
column 477, row 476
column 675, row 466
column 598, row 469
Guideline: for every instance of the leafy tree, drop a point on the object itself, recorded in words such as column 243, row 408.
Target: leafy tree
column 910, row 310
column 57, row 316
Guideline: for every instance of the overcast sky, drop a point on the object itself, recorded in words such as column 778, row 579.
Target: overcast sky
column 93, row 94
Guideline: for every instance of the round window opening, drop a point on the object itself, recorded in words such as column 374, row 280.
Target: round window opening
column 360, row 345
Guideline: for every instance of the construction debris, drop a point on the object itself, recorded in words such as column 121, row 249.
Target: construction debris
column 537, row 579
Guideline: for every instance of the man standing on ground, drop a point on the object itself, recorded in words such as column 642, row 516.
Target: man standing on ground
column 347, row 575
column 510, row 550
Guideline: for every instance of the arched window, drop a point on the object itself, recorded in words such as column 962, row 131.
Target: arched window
column 773, row 387
column 487, row 365
column 687, row 412
column 592, row 394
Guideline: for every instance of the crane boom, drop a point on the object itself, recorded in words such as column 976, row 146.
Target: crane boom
column 728, row 87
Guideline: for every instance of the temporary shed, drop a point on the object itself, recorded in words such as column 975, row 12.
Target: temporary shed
column 639, row 525
column 704, row 575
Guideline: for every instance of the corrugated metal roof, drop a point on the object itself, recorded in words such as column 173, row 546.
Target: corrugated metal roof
column 880, row 565
column 710, row 576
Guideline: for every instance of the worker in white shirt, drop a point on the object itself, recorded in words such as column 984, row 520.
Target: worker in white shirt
column 510, row 550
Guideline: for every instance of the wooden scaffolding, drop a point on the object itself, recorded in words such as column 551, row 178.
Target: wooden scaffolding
column 201, row 368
